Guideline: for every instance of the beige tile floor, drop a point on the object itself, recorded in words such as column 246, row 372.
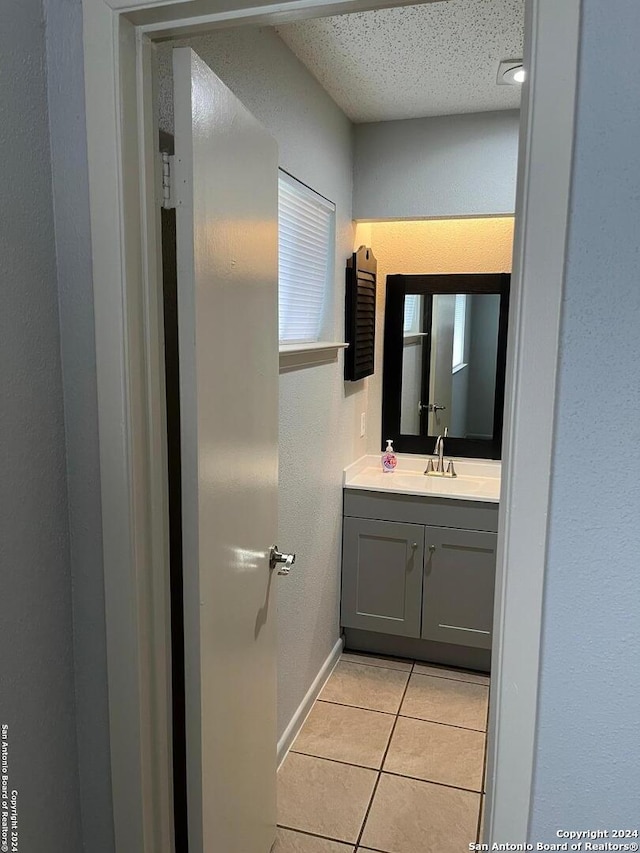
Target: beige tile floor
column 391, row 758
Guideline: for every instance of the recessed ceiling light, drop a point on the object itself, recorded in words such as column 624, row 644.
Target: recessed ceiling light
column 511, row 72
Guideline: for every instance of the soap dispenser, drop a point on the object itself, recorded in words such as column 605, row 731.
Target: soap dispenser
column 389, row 459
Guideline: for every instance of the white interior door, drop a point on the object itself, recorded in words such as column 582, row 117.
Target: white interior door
column 226, row 218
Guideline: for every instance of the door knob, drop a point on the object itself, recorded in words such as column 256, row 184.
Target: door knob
column 430, row 407
column 276, row 557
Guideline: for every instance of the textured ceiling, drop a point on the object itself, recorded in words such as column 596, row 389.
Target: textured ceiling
column 434, row 59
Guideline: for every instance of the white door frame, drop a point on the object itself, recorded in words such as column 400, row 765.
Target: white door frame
column 125, row 245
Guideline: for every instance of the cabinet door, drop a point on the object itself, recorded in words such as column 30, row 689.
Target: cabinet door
column 459, row 579
column 382, row 576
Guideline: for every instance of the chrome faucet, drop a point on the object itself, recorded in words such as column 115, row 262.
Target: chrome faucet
column 438, row 451
column 439, row 469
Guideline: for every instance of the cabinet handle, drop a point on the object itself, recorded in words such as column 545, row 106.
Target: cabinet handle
column 432, row 548
column 414, row 545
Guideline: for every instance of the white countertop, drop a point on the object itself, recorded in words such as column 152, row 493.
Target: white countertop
column 477, row 480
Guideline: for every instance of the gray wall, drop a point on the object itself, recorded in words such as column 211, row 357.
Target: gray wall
column 587, row 772
column 36, row 664
column 459, row 394
column 588, row 735
column 483, row 349
column 462, row 165
column 65, row 69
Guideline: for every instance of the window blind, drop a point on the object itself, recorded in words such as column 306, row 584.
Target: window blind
column 411, row 313
column 306, row 229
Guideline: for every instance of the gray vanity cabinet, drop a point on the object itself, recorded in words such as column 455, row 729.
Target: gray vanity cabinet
column 459, row 577
column 382, row 586
column 422, row 571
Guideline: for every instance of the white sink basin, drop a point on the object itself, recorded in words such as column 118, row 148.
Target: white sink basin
column 476, row 479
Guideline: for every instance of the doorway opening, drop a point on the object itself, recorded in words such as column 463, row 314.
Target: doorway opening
column 130, row 391
column 225, row 62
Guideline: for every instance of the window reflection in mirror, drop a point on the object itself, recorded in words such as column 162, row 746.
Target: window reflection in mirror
column 450, row 346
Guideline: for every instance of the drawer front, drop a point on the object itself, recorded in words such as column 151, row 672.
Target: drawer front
column 382, row 564
column 437, row 512
column 459, row 581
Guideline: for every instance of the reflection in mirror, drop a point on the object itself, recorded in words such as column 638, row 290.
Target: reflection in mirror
column 450, row 346
column 445, row 343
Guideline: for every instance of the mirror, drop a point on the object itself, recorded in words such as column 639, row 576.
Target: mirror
column 445, row 341
column 450, row 347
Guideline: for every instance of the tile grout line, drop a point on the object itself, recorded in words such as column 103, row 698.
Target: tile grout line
column 314, row 834
column 432, row 782
column 454, row 680
column 358, row 707
column 483, row 784
column 450, row 678
column 440, row 723
column 384, row 757
column 484, row 772
column 413, row 672
column 405, row 716
column 336, row 761
column 389, row 772
column 379, row 665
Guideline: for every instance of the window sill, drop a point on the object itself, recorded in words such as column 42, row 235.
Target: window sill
column 414, row 337
column 295, row 356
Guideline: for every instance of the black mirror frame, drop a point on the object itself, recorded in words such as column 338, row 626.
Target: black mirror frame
column 397, row 286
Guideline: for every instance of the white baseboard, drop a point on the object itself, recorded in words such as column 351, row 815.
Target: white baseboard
column 302, row 712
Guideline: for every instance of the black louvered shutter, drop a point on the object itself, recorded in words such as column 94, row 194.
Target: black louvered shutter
column 360, row 314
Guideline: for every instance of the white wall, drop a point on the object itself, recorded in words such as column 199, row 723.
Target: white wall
column 319, row 413
column 587, row 772
column 36, row 663
column 462, row 165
